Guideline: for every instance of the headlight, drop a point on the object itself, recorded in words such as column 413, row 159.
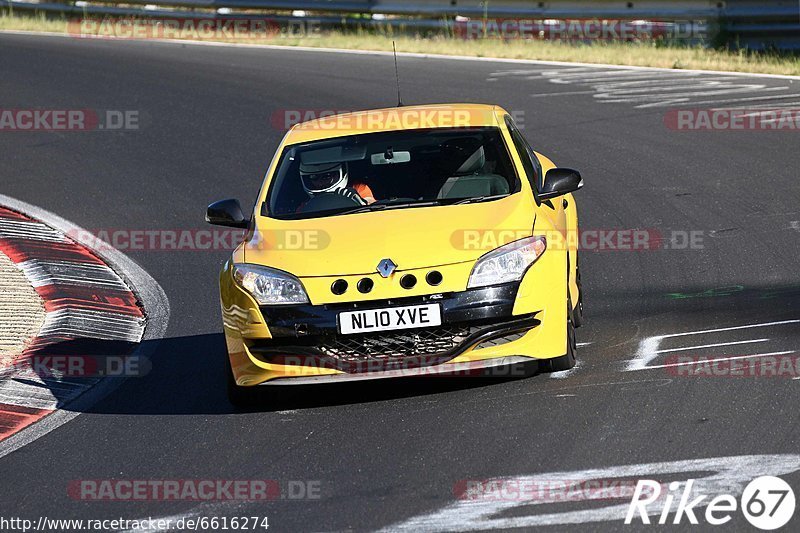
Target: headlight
column 507, row 263
column 269, row 286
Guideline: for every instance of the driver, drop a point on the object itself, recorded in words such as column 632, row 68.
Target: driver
column 333, row 178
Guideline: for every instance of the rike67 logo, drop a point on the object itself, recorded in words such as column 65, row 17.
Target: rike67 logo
column 767, row 502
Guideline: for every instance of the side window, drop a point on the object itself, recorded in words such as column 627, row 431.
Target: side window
column 530, row 162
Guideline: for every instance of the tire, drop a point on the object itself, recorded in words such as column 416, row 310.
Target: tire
column 566, row 361
column 577, row 313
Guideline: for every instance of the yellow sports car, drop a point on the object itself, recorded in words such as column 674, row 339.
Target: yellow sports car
column 397, row 242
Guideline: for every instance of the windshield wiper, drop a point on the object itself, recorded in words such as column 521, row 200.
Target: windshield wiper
column 478, row 199
column 363, row 209
column 381, row 206
column 422, row 203
column 378, row 206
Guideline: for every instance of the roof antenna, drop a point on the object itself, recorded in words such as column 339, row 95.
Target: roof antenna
column 397, row 76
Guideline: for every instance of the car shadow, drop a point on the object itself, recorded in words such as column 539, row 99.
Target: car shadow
column 187, row 375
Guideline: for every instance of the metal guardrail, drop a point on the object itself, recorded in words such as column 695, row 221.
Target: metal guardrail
column 746, row 23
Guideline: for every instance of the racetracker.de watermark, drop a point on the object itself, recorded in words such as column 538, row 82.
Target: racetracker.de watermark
column 596, row 240
column 200, row 240
column 284, row 119
column 69, row 120
column 391, row 119
column 543, row 490
column 228, row 29
column 317, row 239
column 743, row 366
column 193, row 489
column 606, row 30
column 410, row 366
column 78, row 366
column 779, row 119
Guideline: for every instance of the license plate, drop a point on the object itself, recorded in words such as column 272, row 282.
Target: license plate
column 408, row 317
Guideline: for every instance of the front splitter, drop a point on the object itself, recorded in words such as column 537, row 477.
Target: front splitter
column 469, row 368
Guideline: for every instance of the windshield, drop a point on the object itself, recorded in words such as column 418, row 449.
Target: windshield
column 391, row 170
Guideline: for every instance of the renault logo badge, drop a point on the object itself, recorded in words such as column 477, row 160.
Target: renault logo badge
column 386, row 267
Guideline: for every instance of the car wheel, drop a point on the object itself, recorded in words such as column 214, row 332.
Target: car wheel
column 577, row 313
column 566, row 361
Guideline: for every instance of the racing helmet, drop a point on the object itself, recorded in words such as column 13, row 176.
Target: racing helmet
column 325, row 177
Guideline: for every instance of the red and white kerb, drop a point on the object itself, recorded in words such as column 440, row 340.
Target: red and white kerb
column 84, row 301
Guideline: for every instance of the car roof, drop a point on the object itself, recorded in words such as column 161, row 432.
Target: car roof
column 395, row 119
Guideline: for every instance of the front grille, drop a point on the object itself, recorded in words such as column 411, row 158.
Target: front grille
column 389, row 350
column 391, row 345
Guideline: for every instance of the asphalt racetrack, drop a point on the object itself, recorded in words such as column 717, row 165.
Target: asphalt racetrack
column 394, row 454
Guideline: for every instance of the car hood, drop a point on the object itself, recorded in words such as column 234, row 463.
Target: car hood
column 418, row 237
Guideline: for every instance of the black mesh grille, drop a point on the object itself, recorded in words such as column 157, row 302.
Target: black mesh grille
column 391, row 345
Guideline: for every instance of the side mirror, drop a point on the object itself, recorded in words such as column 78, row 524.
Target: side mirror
column 560, row 181
column 226, row 213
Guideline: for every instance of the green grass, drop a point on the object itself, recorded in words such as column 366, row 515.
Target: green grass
column 646, row 54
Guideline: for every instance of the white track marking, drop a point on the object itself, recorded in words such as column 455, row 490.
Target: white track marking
column 93, row 324
column 734, row 358
column 59, row 272
column 733, row 100
column 322, row 50
column 767, row 107
column 733, row 328
column 666, row 100
column 650, row 79
column 763, row 109
column 566, row 373
column 577, row 76
column 21, row 393
column 657, row 92
column 647, row 89
column 663, row 81
column 147, row 290
column 37, row 393
column 567, row 75
column 22, row 229
column 565, row 93
column 717, row 475
column 649, row 346
column 715, row 345
column 648, row 350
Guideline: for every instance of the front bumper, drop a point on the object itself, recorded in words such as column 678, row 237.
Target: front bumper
column 483, row 328
column 308, row 335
